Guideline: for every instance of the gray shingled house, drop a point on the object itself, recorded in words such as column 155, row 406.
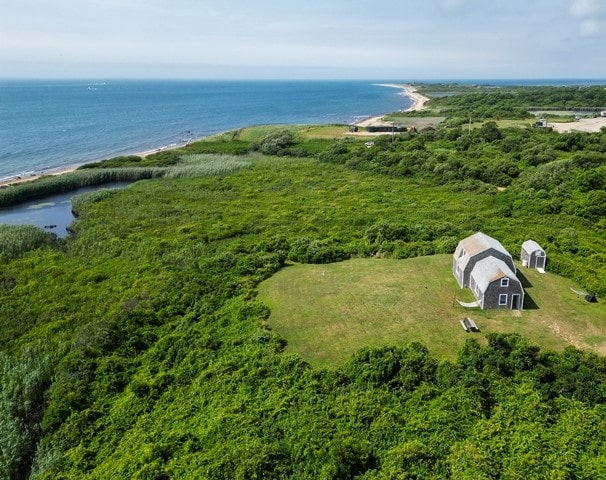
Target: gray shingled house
column 471, row 250
column 481, row 263
column 532, row 255
column 495, row 285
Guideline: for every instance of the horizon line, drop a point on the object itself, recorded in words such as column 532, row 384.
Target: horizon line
column 279, row 78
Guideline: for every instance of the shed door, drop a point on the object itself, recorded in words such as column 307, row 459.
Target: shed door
column 515, row 302
column 540, row 263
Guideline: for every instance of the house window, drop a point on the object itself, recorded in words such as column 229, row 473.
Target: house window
column 504, row 282
column 503, row 299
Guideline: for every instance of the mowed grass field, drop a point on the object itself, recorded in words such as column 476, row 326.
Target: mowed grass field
column 327, row 312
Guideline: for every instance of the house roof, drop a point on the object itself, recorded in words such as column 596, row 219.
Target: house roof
column 474, row 244
column 531, row 246
column 490, row 269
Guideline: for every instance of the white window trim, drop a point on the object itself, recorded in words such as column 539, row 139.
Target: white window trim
column 504, row 282
column 503, row 299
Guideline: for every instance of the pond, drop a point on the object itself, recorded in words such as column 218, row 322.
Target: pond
column 52, row 213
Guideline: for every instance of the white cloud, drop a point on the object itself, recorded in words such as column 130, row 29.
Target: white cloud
column 586, row 8
column 590, row 28
column 589, row 13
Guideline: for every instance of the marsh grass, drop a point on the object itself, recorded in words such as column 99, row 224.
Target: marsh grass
column 15, row 240
column 80, row 202
column 50, row 185
column 204, row 165
column 191, row 166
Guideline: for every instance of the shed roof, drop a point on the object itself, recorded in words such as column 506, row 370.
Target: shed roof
column 490, row 269
column 530, row 246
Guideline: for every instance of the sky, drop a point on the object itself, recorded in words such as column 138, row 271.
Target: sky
column 324, row 39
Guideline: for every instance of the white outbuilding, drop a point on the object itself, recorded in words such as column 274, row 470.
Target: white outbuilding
column 533, row 256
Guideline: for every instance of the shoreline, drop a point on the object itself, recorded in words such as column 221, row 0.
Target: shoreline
column 406, row 90
column 30, row 176
column 34, row 175
column 582, row 125
column 418, row 103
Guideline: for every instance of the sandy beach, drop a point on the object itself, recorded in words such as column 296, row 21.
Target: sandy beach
column 28, row 177
column 418, row 103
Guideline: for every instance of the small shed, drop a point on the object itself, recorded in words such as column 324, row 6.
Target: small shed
column 532, row 256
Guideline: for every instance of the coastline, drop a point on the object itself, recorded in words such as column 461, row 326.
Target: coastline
column 30, row 176
column 418, row 103
column 35, row 172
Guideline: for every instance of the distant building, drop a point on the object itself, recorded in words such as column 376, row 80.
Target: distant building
column 481, row 263
column 532, row 256
column 385, row 129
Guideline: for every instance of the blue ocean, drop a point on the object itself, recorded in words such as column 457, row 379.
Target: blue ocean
column 46, row 125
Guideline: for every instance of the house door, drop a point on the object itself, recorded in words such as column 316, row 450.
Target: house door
column 515, row 301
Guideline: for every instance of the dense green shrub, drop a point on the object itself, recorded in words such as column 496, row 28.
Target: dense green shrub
column 305, row 250
column 276, row 142
column 115, row 162
column 25, row 379
column 219, row 146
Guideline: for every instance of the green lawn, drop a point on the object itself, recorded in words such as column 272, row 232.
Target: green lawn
column 308, row 132
column 404, row 119
column 327, row 312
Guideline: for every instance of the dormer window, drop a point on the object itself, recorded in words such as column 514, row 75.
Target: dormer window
column 504, row 282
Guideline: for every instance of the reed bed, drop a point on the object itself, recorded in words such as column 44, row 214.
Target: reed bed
column 79, row 201
column 204, row 165
column 15, row 240
column 191, row 166
column 45, row 186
